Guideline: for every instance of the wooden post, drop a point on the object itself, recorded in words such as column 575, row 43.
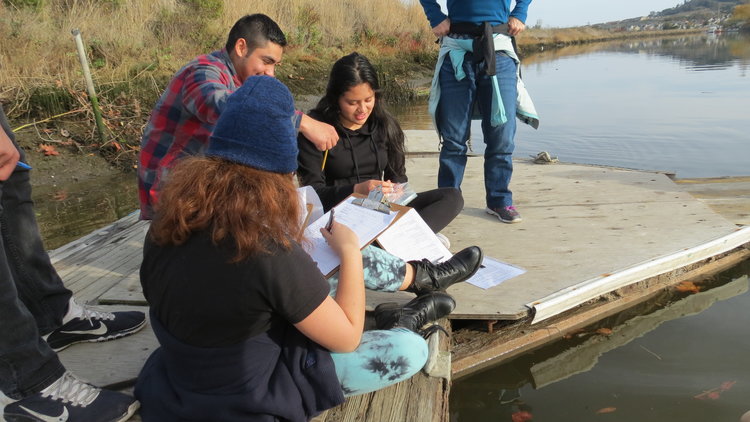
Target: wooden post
column 89, row 84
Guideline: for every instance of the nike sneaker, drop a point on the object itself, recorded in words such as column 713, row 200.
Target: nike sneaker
column 83, row 323
column 69, row 399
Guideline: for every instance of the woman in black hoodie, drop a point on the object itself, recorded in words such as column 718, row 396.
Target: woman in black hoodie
column 370, row 151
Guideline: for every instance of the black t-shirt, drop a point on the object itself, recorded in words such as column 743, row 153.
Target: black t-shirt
column 204, row 300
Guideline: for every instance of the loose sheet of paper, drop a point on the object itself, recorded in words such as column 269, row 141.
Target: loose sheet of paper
column 493, row 272
column 410, row 238
column 365, row 222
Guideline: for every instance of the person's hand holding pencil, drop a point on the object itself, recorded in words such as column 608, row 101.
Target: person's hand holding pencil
column 341, row 238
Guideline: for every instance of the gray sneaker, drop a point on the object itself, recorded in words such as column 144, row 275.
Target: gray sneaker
column 506, row 215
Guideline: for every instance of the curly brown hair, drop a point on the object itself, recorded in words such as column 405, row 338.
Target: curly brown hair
column 251, row 207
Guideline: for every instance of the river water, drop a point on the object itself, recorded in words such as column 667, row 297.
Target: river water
column 679, row 105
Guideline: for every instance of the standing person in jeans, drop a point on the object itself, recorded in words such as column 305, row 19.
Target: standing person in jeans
column 39, row 317
column 478, row 66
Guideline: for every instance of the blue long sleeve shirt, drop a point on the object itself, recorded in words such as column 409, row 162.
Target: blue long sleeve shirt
column 476, row 11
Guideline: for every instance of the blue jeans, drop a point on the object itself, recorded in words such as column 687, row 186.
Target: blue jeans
column 454, row 112
column 33, row 299
column 384, row 357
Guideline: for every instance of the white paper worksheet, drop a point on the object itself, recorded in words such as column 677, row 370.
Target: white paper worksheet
column 410, row 238
column 493, row 272
column 365, row 222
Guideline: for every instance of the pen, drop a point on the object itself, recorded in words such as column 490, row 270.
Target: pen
column 325, row 157
column 382, row 175
column 23, row 165
column 329, row 226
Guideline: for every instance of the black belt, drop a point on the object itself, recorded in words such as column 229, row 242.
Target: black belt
column 483, row 46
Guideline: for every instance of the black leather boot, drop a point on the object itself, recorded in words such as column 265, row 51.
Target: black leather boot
column 416, row 313
column 429, row 277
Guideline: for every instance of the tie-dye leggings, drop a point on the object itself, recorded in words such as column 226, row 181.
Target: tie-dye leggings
column 384, row 357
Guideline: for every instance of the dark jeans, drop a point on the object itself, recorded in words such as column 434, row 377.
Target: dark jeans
column 33, row 299
column 454, row 115
column 438, row 207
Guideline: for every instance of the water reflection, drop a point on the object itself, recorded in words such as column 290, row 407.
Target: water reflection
column 695, row 52
column 673, row 358
column 68, row 211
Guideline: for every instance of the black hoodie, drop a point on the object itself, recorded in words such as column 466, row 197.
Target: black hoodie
column 360, row 155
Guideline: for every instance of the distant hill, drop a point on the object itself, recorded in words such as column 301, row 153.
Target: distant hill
column 691, row 6
column 688, row 15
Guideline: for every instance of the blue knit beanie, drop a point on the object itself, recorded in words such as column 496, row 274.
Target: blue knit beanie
column 256, row 127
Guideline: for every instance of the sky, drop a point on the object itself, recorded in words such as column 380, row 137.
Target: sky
column 562, row 13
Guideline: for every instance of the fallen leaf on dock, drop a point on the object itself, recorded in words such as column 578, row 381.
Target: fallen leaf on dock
column 604, row 331
column 606, row 410
column 687, row 286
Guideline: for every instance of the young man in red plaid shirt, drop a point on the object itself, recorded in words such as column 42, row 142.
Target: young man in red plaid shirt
column 186, row 113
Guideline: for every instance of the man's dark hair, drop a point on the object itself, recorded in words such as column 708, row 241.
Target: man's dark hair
column 257, row 30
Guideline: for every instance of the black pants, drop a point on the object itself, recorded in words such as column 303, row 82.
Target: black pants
column 33, row 299
column 438, row 207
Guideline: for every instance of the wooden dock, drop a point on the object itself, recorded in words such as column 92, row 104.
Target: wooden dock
column 594, row 241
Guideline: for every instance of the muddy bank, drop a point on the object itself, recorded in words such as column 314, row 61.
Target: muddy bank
column 66, row 149
column 65, row 164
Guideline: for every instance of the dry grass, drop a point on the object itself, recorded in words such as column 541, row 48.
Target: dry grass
column 153, row 38
column 135, row 46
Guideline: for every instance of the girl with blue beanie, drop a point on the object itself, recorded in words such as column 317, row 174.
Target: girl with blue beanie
column 248, row 327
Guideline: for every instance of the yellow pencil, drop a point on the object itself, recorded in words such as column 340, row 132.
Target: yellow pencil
column 325, row 157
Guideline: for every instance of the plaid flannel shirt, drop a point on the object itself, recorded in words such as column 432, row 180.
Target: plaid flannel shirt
column 183, row 119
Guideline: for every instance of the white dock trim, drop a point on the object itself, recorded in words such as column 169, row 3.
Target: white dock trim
column 582, row 292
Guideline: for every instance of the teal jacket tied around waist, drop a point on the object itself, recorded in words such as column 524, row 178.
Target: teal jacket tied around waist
column 456, row 49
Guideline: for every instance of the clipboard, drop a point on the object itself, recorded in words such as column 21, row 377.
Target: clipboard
column 367, row 223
